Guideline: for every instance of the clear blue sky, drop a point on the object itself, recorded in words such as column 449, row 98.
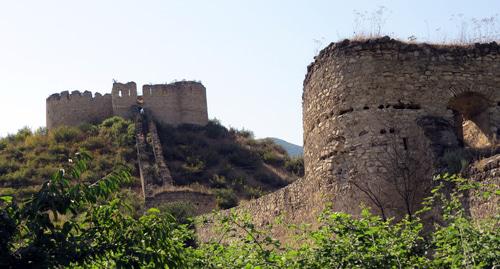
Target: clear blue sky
column 251, row 55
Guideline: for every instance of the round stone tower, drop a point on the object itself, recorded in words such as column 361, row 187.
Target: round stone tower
column 379, row 117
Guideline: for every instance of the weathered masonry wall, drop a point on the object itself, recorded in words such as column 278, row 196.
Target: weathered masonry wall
column 379, row 115
column 366, row 101
column 77, row 108
column 175, row 103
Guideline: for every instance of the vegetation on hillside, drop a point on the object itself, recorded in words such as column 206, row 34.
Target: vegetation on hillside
column 229, row 163
column 69, row 222
column 28, row 158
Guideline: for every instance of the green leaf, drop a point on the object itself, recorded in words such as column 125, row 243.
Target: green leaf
column 6, row 198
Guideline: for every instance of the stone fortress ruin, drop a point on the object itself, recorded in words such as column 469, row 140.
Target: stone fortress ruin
column 175, row 103
column 381, row 117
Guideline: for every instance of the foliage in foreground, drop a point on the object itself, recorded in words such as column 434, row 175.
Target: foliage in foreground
column 83, row 225
column 69, row 225
column 343, row 241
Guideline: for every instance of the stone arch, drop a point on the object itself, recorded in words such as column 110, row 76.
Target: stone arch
column 472, row 119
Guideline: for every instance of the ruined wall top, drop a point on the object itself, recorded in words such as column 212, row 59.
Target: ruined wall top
column 405, row 50
column 173, row 103
column 66, row 95
column 162, row 89
column 128, row 89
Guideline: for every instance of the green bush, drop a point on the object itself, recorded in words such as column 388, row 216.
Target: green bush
column 118, row 130
column 270, row 157
column 226, row 198
column 65, row 134
column 218, row 182
column 68, row 223
column 183, row 212
column 295, row 166
column 3, row 144
column 94, row 143
column 215, row 130
column 22, row 134
column 456, row 160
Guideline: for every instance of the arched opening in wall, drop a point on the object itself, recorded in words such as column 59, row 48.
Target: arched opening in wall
column 472, row 120
column 120, row 93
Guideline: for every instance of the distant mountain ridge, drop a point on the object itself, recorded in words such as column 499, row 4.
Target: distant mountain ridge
column 292, row 149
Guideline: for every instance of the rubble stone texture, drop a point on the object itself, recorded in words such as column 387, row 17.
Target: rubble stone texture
column 369, row 105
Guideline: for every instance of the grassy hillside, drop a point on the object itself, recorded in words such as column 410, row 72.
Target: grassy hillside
column 28, row 158
column 229, row 163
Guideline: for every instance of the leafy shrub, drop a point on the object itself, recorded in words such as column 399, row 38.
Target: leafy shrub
column 94, row 143
column 241, row 157
column 22, row 134
column 457, row 160
column 41, row 131
column 70, row 224
column 3, row 144
column 253, row 192
column 89, row 129
column 183, row 212
column 243, row 133
column 65, row 134
column 215, row 130
column 193, row 165
column 226, row 198
column 270, row 157
column 295, row 166
column 218, row 182
column 31, row 235
column 118, row 130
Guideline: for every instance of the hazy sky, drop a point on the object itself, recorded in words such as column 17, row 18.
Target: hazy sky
column 250, row 55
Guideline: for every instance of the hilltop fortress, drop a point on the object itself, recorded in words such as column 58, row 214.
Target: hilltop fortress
column 175, row 103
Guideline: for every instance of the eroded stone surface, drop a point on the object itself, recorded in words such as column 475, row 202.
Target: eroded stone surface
column 378, row 115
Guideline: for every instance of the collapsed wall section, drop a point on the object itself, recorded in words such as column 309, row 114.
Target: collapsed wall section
column 177, row 103
column 487, row 172
column 77, row 108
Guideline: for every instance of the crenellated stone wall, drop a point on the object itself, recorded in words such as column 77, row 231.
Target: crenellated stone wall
column 77, row 108
column 175, row 103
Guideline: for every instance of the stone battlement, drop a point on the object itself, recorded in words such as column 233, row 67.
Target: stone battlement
column 74, row 94
column 175, row 103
